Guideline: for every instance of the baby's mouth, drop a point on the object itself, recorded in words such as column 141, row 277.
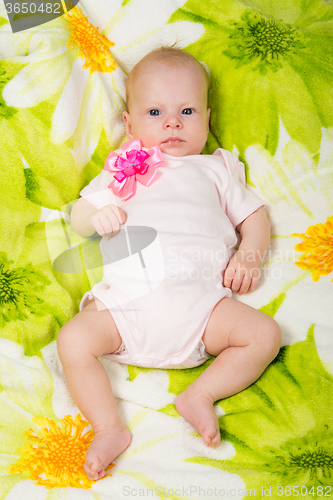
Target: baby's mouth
column 173, row 140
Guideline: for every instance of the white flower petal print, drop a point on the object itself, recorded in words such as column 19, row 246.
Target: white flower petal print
column 45, row 44
column 64, row 123
column 106, row 10
column 309, row 303
column 27, row 373
column 12, row 44
column 62, row 402
column 292, row 179
column 15, row 421
column 25, row 488
column 297, row 188
column 16, row 46
column 114, row 87
column 87, row 104
column 182, row 32
column 146, row 16
column 133, row 44
column 26, row 385
column 90, row 123
column 37, row 82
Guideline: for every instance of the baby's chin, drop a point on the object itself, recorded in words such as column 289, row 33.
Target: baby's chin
column 181, row 149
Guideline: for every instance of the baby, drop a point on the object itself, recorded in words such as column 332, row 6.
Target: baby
column 195, row 203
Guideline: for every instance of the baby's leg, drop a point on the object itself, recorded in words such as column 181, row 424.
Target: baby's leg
column 245, row 341
column 81, row 341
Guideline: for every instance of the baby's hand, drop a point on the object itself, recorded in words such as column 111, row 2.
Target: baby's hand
column 107, row 219
column 242, row 273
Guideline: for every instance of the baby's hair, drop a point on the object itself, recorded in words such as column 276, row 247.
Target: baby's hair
column 167, row 54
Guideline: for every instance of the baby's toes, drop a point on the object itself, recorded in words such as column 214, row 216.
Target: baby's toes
column 93, row 468
column 211, row 436
column 215, row 441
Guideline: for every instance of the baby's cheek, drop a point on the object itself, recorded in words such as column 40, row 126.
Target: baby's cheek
column 148, row 141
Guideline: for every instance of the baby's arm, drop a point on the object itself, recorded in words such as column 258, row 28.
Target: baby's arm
column 86, row 219
column 243, row 271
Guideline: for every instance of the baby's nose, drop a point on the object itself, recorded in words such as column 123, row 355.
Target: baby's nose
column 173, row 122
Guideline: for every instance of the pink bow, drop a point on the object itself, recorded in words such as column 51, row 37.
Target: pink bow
column 138, row 165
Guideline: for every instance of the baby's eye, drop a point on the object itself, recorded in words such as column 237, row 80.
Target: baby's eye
column 154, row 112
column 187, row 111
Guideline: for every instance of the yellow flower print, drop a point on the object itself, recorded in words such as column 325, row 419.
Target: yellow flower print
column 56, row 457
column 317, row 246
column 93, row 47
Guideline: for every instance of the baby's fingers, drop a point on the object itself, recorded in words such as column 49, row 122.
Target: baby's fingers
column 105, row 222
column 119, row 213
column 233, row 278
column 229, row 274
column 237, row 281
column 110, row 222
column 245, row 285
column 97, row 225
column 254, row 280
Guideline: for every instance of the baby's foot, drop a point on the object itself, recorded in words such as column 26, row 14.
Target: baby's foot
column 197, row 408
column 105, row 447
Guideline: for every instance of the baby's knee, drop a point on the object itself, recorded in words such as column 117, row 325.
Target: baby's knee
column 271, row 337
column 68, row 342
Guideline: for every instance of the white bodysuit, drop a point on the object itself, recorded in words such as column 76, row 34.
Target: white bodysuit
column 161, row 295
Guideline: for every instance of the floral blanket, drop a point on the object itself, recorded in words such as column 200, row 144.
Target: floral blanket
column 62, row 91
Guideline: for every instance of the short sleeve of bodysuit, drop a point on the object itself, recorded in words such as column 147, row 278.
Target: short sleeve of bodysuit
column 240, row 202
column 236, row 200
column 97, row 192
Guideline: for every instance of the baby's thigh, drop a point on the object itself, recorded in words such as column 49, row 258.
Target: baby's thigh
column 234, row 324
column 92, row 330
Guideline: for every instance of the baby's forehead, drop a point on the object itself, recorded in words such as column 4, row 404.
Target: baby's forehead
column 160, row 68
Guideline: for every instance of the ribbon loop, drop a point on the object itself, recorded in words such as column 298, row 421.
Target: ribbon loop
column 132, row 168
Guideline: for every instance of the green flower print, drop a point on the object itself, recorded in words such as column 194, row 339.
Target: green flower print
column 264, row 42
column 267, row 60
column 35, row 299
column 282, row 426
column 19, row 291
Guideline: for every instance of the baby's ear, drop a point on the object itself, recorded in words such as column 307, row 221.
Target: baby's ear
column 127, row 121
column 208, row 111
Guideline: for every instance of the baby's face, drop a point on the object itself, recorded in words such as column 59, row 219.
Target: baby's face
column 168, row 108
